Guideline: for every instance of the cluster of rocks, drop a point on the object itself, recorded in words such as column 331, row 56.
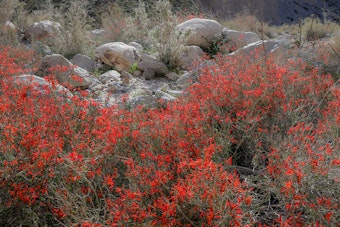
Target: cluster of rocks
column 132, row 73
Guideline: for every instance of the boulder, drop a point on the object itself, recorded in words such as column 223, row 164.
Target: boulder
column 190, row 55
column 268, row 45
column 147, row 101
column 126, row 77
column 138, row 46
column 140, row 91
column 240, row 38
column 165, row 96
column 43, row 29
column 118, row 55
column 149, row 62
column 84, row 62
column 109, row 76
column 137, row 73
column 39, row 87
column 114, row 87
column 41, row 48
column 175, row 93
column 149, row 74
column 66, row 73
column 185, row 80
column 199, row 32
column 172, row 76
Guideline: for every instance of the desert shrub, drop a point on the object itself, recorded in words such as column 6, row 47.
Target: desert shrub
column 8, row 11
column 315, row 29
column 250, row 23
column 311, row 30
column 170, row 43
column 190, row 6
column 255, row 110
column 252, row 143
column 334, row 56
column 77, row 23
column 138, row 27
column 113, row 21
column 45, row 11
column 321, row 54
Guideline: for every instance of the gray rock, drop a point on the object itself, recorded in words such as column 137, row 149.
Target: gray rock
column 268, row 46
column 42, row 30
column 137, row 73
column 114, row 87
column 41, row 48
column 84, row 62
column 138, row 46
column 174, row 93
column 148, row 101
column 149, row 74
column 39, row 87
column 109, row 76
column 240, row 38
column 66, row 73
column 165, row 96
column 189, row 56
column 201, row 32
column 140, row 92
column 97, row 87
column 172, row 76
column 185, row 80
column 118, row 55
column 126, row 77
column 149, row 62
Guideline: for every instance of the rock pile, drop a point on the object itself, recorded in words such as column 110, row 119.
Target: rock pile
column 130, row 72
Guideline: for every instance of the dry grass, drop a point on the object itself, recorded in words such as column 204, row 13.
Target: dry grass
column 249, row 23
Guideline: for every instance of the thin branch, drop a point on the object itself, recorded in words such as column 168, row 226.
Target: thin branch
column 336, row 53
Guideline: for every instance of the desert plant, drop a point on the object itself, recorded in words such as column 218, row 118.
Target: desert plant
column 76, row 24
column 134, row 67
column 113, row 20
column 312, row 29
column 154, row 29
column 9, row 32
column 250, row 23
column 7, row 10
column 252, row 142
column 315, row 29
column 138, row 27
column 170, row 43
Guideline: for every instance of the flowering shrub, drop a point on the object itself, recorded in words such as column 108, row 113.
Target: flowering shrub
column 280, row 124
column 253, row 143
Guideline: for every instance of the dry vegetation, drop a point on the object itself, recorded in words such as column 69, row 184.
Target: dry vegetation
column 254, row 143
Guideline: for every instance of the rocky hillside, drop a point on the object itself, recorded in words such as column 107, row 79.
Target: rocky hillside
column 275, row 12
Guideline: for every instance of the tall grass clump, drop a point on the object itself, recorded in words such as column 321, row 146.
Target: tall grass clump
column 76, row 23
column 138, row 27
column 112, row 19
column 169, row 42
column 8, row 31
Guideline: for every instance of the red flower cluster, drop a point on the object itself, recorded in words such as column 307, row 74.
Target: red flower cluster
column 253, row 143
